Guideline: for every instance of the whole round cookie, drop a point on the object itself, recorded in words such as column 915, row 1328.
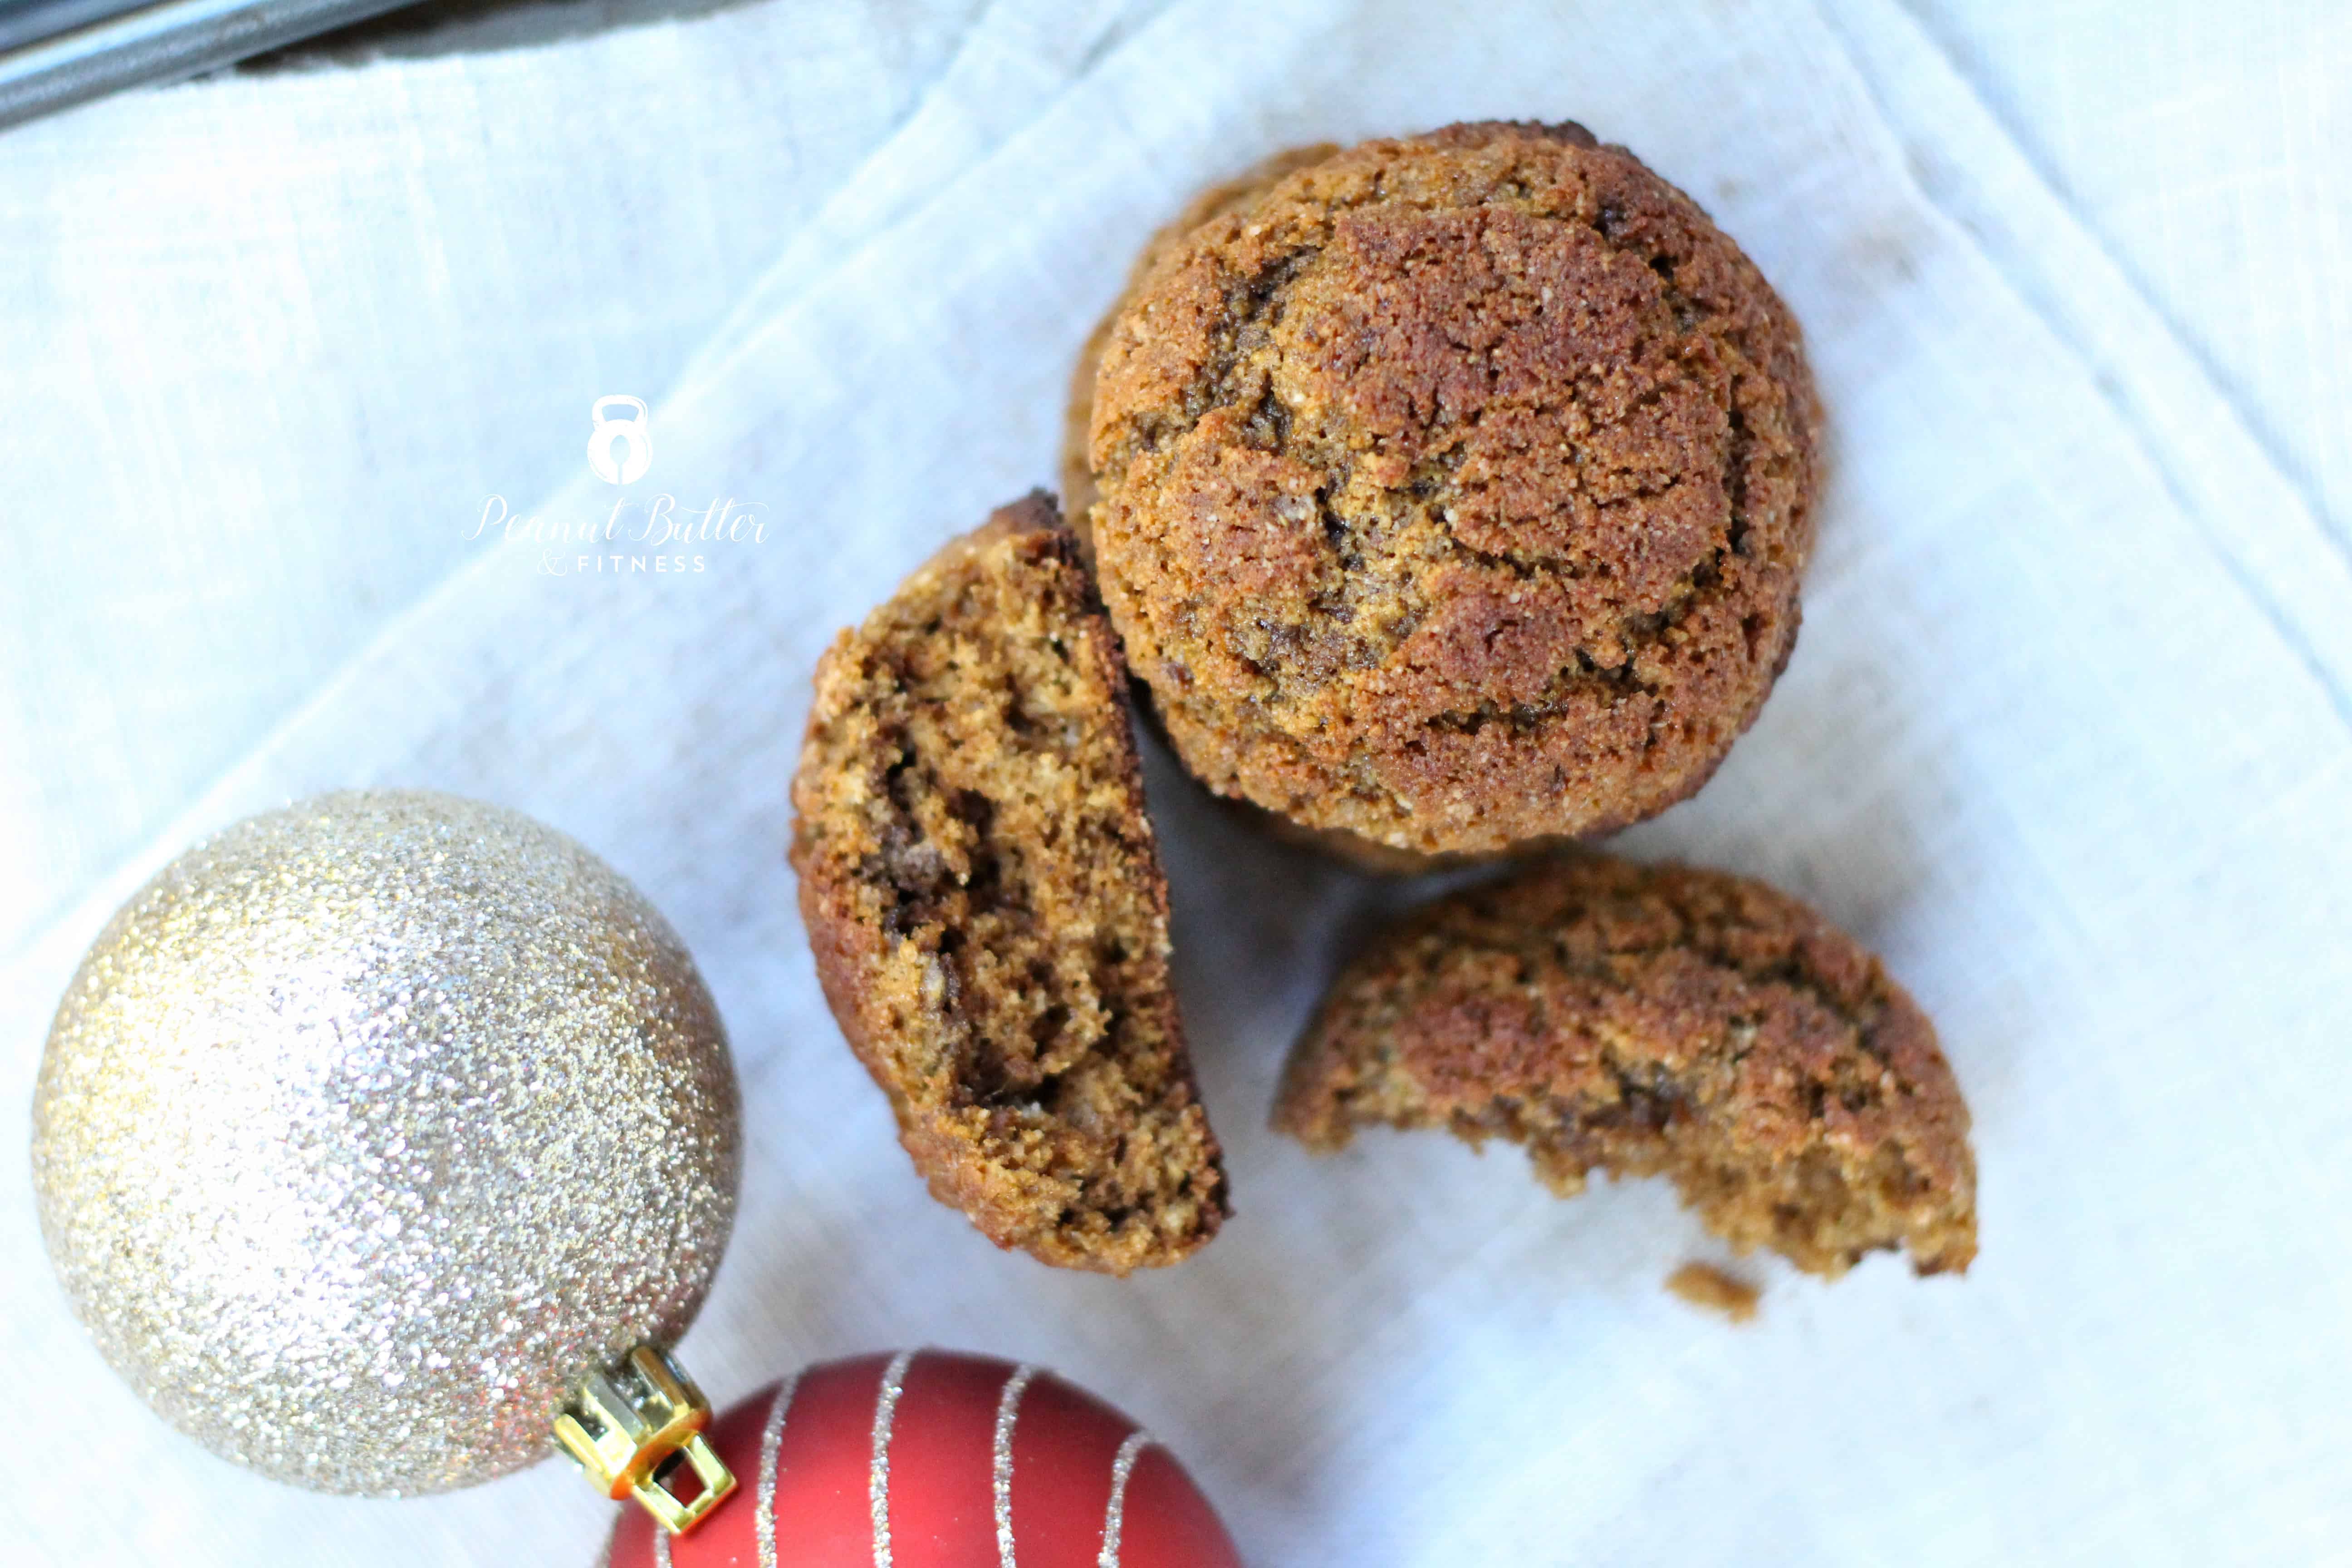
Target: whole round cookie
column 1453, row 492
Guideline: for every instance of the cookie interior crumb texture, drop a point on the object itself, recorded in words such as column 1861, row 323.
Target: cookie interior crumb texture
column 1452, row 493
column 1658, row 1021
column 985, row 898
column 1713, row 1289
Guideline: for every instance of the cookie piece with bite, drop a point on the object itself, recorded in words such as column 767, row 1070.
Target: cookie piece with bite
column 1658, row 1021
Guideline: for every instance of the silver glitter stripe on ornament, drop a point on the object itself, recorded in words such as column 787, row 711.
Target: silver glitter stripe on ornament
column 1114, row 1516
column 771, row 1442
column 1008, row 1412
column 878, row 1475
column 661, row 1548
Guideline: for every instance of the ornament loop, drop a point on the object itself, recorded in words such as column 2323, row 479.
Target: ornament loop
column 632, row 1426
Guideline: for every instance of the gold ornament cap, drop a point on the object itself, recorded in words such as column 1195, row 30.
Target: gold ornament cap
column 634, row 1428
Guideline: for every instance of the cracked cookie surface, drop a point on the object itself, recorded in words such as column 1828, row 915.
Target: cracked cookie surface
column 1658, row 1021
column 1452, row 493
column 984, row 895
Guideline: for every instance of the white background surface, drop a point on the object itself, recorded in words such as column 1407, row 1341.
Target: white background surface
column 2067, row 735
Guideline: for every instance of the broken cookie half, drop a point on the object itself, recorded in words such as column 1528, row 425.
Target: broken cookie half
column 985, row 898
column 1658, row 1021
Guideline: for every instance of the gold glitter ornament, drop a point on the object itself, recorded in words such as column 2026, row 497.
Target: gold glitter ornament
column 371, row 1126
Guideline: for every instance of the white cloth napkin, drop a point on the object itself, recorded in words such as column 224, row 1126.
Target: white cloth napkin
column 266, row 333
column 2066, row 737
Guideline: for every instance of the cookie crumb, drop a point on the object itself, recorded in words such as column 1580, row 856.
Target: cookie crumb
column 1705, row 1286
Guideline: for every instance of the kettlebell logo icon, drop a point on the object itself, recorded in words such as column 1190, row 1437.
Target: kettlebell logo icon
column 637, row 445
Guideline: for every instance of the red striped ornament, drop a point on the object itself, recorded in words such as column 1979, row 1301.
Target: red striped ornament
column 936, row 1460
